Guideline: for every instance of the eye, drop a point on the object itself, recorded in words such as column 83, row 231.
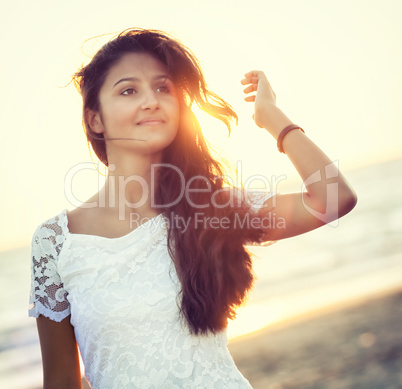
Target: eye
column 163, row 89
column 129, row 91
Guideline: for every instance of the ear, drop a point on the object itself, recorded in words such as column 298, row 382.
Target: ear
column 94, row 120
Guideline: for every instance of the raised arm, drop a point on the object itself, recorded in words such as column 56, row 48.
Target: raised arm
column 328, row 195
column 61, row 367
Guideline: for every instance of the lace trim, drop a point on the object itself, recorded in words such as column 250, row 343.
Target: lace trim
column 47, row 295
column 256, row 200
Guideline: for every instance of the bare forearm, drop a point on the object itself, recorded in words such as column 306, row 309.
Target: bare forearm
column 72, row 383
column 60, row 357
column 313, row 165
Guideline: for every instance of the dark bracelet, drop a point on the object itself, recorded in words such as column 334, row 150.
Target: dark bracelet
column 283, row 134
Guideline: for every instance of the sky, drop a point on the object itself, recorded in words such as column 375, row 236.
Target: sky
column 334, row 66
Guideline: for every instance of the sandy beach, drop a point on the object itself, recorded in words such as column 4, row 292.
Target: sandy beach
column 358, row 345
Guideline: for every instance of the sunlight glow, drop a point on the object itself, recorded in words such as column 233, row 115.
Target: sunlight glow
column 341, row 84
column 255, row 316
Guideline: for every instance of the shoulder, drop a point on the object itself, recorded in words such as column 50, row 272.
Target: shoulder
column 75, row 219
column 50, row 234
column 52, row 226
column 85, row 220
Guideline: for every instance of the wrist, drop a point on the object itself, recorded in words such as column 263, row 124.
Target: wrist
column 274, row 120
column 284, row 133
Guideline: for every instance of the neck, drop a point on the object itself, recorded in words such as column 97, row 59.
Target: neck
column 130, row 185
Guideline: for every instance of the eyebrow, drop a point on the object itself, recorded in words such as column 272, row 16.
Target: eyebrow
column 135, row 79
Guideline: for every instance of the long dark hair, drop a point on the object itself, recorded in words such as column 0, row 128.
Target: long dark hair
column 212, row 264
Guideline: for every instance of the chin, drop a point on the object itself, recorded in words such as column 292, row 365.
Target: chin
column 155, row 146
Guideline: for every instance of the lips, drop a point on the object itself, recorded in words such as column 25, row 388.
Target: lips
column 151, row 121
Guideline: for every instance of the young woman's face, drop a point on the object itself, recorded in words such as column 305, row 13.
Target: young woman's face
column 138, row 100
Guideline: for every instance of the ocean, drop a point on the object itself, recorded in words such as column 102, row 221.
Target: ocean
column 358, row 257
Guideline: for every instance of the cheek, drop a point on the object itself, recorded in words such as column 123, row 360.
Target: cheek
column 175, row 110
column 174, row 120
column 119, row 114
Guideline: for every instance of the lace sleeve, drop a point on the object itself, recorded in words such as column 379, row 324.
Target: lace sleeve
column 256, row 200
column 47, row 295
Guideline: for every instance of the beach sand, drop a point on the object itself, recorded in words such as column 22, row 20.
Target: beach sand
column 354, row 346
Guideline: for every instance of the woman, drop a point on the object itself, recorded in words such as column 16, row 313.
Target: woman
column 145, row 275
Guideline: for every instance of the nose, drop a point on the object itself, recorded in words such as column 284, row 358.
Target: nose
column 150, row 101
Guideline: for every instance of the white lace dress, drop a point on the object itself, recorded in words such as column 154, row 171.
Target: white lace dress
column 122, row 297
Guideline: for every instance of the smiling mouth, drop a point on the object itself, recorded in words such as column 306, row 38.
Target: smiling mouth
column 150, row 122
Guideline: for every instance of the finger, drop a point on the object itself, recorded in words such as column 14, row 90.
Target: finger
column 253, row 73
column 250, row 98
column 250, row 88
column 250, row 80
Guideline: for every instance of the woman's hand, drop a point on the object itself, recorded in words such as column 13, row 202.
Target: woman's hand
column 266, row 114
column 265, row 96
